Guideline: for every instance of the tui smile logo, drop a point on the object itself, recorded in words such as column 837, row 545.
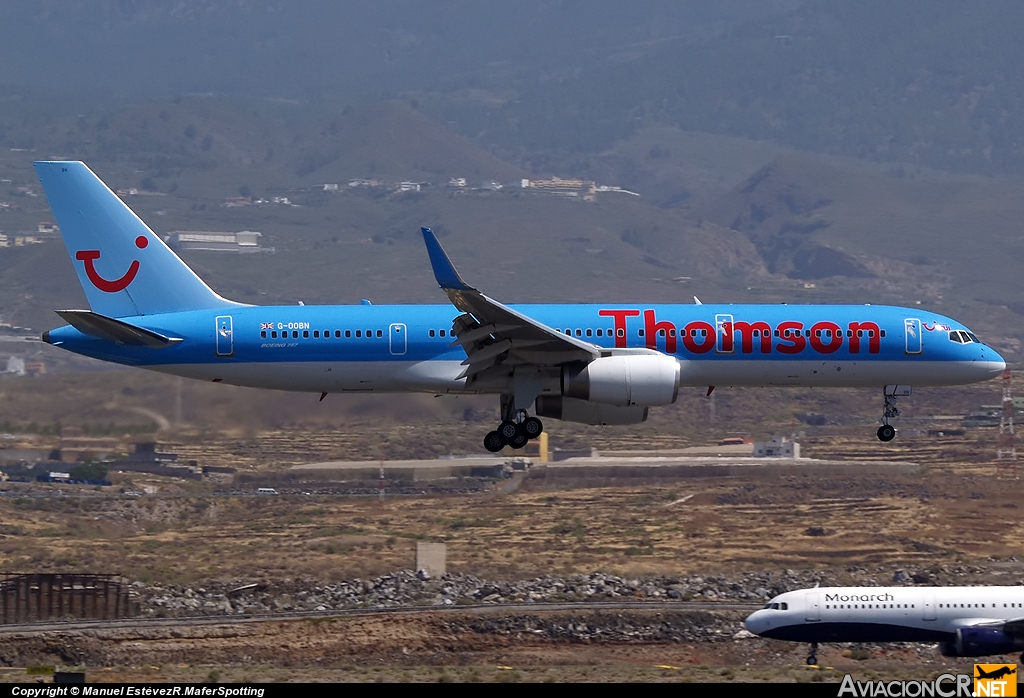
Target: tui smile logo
column 88, row 257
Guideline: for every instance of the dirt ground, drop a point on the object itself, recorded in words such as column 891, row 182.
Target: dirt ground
column 950, row 508
column 447, row 647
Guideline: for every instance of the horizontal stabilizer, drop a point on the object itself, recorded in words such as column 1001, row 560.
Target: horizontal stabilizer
column 103, row 327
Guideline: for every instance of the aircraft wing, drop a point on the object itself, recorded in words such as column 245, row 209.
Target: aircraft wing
column 1014, row 626
column 494, row 334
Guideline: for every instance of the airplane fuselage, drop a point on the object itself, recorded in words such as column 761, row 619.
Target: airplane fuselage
column 970, row 621
column 401, row 348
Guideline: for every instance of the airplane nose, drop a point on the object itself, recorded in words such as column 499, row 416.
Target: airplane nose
column 993, row 363
column 755, row 622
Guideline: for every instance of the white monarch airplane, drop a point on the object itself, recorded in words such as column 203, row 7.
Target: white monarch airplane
column 595, row 364
column 965, row 621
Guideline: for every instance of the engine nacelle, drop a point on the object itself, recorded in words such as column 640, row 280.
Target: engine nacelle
column 628, row 380
column 571, row 410
column 981, row 642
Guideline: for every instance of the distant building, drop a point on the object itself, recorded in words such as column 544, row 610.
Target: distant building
column 244, row 241
column 330, row 187
column 457, row 182
column 778, row 447
column 408, row 186
column 46, row 227
column 4, row 241
column 16, row 365
column 233, row 201
column 145, row 451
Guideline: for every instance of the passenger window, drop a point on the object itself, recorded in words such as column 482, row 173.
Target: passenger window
column 620, row 333
column 589, row 332
column 348, row 333
column 305, row 334
column 337, row 334
column 369, row 333
column 600, row 332
column 785, row 606
column 671, row 333
column 316, row 334
column 639, row 333
column 274, row 334
column 380, row 333
column 579, row 332
column 431, row 333
column 568, row 332
column 359, row 333
column 263, row 334
column 295, row 334
column 661, row 333
column 873, row 333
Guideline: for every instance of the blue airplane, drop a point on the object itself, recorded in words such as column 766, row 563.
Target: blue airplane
column 594, row 364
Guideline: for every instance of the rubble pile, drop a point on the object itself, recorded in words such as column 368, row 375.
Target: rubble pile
column 408, row 588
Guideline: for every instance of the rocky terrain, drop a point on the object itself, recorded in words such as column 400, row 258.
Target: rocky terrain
column 414, row 589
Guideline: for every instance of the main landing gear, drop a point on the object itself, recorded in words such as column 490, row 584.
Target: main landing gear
column 516, row 429
column 887, row 432
column 812, row 657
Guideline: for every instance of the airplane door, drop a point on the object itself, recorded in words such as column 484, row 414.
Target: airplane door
column 912, row 330
column 928, row 607
column 399, row 343
column 723, row 331
column 225, row 336
column 813, row 611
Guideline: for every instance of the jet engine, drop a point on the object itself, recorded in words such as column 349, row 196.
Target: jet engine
column 629, row 380
column 981, row 642
column 583, row 412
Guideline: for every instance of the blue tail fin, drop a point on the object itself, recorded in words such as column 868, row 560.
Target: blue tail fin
column 124, row 267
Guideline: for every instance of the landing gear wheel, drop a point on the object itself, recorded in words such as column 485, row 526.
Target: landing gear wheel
column 508, row 430
column 519, row 440
column 494, row 442
column 532, row 427
column 886, row 432
column 812, row 660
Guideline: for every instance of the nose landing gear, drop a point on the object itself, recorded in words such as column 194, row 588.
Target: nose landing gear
column 887, row 432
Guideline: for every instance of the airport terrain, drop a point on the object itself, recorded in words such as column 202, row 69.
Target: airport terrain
column 927, row 509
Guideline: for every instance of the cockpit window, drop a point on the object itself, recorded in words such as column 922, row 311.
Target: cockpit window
column 785, row 606
column 962, row 337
